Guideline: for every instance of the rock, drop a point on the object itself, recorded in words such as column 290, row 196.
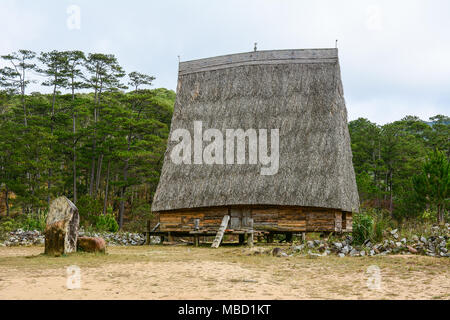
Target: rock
column 312, row 255
column 298, row 248
column 317, row 242
column 394, row 231
column 338, row 245
column 354, row 253
column 88, row 244
column 367, row 243
column 398, row 244
column 61, row 229
column 423, row 239
column 412, row 250
column 341, row 255
column 372, row 252
column 403, row 241
column 345, row 250
column 349, row 239
column 415, row 238
column 362, row 253
column 310, row 244
column 276, row 252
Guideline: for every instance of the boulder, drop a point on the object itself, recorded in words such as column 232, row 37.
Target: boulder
column 61, row 229
column 276, row 252
column 412, row 250
column 88, row 244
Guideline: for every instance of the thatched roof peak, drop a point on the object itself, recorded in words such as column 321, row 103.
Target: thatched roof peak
column 292, row 56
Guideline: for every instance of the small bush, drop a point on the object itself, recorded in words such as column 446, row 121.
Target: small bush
column 106, row 223
column 362, row 227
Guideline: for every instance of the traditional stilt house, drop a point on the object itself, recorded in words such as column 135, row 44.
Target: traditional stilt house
column 262, row 138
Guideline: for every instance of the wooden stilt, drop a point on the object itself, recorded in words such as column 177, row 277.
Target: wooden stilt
column 196, row 240
column 147, row 240
column 250, row 235
column 289, row 237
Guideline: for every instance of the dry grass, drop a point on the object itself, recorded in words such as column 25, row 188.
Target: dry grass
column 181, row 272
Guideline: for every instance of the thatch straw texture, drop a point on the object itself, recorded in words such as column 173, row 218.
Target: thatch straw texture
column 298, row 92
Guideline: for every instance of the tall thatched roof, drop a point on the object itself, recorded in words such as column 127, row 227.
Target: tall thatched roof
column 298, row 91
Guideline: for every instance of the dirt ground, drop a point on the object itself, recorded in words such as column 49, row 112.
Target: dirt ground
column 182, row 272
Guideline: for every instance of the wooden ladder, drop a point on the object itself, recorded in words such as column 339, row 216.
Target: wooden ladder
column 220, row 233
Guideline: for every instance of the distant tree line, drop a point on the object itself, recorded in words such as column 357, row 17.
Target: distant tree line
column 98, row 136
column 402, row 167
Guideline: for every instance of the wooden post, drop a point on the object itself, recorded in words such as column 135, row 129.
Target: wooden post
column 289, row 237
column 270, row 238
column 241, row 239
column 169, row 235
column 148, row 233
column 196, row 224
column 196, row 240
column 250, row 235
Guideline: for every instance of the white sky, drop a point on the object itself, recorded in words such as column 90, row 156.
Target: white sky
column 394, row 55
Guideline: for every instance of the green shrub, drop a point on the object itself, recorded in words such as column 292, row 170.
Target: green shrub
column 362, row 227
column 24, row 222
column 35, row 222
column 106, row 223
column 381, row 221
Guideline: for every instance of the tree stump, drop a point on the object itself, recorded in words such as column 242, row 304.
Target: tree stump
column 61, row 230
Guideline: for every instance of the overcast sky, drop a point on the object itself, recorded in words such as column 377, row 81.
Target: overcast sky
column 394, row 55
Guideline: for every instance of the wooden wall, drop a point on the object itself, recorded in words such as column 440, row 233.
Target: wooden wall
column 294, row 219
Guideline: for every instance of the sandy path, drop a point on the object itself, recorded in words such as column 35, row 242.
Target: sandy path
column 179, row 273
